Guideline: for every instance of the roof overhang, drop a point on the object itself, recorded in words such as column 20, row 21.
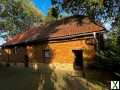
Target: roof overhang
column 51, row 39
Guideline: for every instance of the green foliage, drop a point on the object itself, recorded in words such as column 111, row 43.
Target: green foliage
column 108, row 60
column 56, row 9
column 51, row 16
column 111, row 55
column 114, row 35
column 18, row 15
column 97, row 9
column 54, row 12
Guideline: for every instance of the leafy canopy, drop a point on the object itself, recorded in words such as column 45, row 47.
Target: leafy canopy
column 18, row 16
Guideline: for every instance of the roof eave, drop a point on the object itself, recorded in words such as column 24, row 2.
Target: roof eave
column 52, row 39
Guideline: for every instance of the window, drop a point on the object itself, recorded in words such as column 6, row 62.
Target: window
column 46, row 54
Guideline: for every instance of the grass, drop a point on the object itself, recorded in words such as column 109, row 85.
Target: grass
column 17, row 79
column 13, row 78
column 101, row 77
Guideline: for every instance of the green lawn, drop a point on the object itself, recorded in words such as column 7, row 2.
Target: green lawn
column 13, row 78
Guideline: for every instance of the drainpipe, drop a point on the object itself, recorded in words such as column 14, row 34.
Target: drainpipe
column 96, row 40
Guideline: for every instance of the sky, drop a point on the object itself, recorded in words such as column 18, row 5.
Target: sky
column 42, row 5
column 2, row 41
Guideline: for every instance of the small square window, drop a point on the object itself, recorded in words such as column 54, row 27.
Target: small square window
column 46, row 54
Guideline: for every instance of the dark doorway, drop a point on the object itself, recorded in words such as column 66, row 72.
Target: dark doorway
column 26, row 60
column 78, row 60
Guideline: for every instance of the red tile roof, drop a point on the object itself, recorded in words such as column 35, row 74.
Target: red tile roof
column 66, row 27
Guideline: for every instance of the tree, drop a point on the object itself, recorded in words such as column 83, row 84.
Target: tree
column 52, row 15
column 114, row 35
column 56, row 9
column 18, row 16
column 100, row 10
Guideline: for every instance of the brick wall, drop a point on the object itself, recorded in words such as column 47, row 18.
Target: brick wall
column 62, row 52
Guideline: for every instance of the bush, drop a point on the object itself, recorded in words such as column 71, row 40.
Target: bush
column 107, row 60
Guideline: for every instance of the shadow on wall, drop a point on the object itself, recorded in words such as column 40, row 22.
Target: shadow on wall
column 13, row 55
column 5, row 56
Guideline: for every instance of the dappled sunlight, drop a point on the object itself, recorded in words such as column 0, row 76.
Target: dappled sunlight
column 35, row 66
column 29, row 50
column 73, row 83
column 51, row 79
column 8, row 51
column 47, row 77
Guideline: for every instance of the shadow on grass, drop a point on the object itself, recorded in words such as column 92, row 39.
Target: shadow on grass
column 45, row 78
column 72, row 83
column 26, row 79
column 100, row 77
